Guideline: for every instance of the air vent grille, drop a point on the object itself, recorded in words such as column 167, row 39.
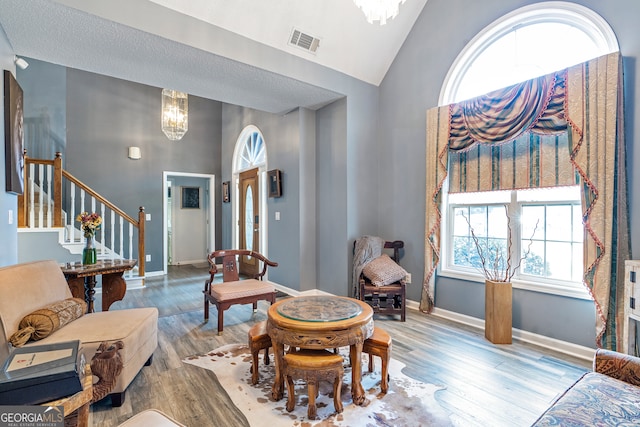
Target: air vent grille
column 304, row 41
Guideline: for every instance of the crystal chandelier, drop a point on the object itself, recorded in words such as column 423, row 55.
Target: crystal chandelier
column 379, row 10
column 175, row 114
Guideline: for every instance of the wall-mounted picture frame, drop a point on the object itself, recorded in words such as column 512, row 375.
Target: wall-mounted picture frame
column 275, row 183
column 226, row 197
column 13, row 135
column 191, row 197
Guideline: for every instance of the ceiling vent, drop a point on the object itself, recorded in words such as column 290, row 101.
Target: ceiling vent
column 304, row 41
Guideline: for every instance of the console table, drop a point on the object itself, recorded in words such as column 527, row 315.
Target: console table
column 82, row 280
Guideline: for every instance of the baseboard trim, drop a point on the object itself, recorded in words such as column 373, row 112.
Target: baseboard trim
column 570, row 349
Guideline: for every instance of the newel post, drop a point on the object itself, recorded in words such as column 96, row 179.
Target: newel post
column 141, row 259
column 57, row 190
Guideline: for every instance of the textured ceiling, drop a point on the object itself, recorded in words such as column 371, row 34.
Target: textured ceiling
column 208, row 55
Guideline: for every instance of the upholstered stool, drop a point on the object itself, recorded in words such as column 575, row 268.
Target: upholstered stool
column 259, row 339
column 379, row 344
column 313, row 366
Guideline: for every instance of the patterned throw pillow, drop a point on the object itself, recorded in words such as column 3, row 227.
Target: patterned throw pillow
column 43, row 322
column 383, row 271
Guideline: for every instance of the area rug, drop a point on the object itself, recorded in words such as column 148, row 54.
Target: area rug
column 407, row 403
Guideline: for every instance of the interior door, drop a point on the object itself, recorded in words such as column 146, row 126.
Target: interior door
column 249, row 222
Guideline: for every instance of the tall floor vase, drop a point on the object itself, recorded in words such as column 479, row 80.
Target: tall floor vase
column 498, row 312
column 89, row 255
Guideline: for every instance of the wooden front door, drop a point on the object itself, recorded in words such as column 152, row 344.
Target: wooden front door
column 249, row 220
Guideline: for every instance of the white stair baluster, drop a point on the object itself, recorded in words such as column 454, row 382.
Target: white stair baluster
column 32, row 218
column 49, row 174
column 112, row 245
column 72, row 217
column 121, row 238
column 40, row 196
column 102, row 245
column 130, row 256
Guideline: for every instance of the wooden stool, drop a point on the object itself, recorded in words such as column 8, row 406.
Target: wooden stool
column 259, row 339
column 379, row 344
column 313, row 366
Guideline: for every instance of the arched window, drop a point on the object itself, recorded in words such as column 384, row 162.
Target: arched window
column 527, row 43
column 250, row 150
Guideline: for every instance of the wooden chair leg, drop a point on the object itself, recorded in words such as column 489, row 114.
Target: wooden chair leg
column 266, row 356
column 206, row 309
column 384, row 381
column 313, row 393
column 220, row 320
column 370, row 362
column 337, row 399
column 291, row 397
column 254, row 367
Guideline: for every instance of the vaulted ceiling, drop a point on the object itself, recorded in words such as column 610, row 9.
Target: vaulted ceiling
column 235, row 51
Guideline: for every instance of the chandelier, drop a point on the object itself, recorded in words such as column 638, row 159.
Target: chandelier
column 175, row 114
column 379, row 10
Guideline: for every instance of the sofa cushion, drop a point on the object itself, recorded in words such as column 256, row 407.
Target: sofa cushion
column 596, row 399
column 242, row 288
column 43, row 322
column 383, row 271
column 27, row 287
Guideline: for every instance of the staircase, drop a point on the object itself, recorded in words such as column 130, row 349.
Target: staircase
column 52, row 200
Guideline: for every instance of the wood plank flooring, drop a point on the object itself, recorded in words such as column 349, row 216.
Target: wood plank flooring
column 483, row 384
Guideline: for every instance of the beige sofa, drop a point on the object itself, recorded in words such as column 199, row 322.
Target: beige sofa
column 25, row 288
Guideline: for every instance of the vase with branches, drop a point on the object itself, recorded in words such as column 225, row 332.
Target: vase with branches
column 498, row 268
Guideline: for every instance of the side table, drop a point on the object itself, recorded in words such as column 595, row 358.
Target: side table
column 76, row 407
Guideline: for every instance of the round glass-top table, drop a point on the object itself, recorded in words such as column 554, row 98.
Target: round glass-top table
column 320, row 322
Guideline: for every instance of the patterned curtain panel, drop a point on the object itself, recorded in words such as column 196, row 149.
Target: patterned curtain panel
column 595, row 112
column 512, row 138
column 528, row 126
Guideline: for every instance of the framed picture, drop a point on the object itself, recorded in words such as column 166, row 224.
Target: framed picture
column 191, row 197
column 275, row 184
column 13, row 136
column 226, row 198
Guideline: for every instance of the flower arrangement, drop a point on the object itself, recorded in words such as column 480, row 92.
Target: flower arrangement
column 90, row 222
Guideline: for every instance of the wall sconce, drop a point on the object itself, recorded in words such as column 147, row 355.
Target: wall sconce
column 20, row 62
column 175, row 114
column 134, row 153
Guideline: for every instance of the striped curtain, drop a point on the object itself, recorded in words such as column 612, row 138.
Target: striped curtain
column 560, row 129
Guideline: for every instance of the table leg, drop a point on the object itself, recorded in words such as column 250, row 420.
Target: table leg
column 278, row 385
column 113, row 289
column 89, row 285
column 357, row 391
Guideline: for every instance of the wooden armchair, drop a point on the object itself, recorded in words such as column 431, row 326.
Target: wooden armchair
column 388, row 299
column 232, row 290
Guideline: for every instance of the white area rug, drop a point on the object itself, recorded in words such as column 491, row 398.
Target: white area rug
column 408, row 402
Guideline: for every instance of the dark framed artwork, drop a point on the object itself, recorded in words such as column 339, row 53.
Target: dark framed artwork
column 226, row 197
column 13, row 135
column 191, row 197
column 275, row 183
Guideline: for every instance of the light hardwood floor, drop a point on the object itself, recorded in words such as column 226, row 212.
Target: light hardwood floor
column 484, row 384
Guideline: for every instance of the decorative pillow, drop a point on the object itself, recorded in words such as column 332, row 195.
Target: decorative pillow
column 383, row 271
column 43, row 322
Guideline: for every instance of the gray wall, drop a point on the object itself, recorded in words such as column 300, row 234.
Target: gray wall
column 104, row 116
column 8, row 202
column 412, row 86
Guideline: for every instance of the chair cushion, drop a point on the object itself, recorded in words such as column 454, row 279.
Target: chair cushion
column 383, row 271
column 239, row 289
column 43, row 322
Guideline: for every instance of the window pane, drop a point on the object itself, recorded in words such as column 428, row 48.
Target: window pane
column 497, row 224
column 532, row 221
column 460, row 225
column 478, row 220
column 578, row 227
column 534, row 263
column 559, row 260
column 558, row 220
column 577, row 262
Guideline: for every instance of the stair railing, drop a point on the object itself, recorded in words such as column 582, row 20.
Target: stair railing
column 41, row 206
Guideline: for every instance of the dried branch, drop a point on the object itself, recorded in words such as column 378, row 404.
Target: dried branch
column 499, row 270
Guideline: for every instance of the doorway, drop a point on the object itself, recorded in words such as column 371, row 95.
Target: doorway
column 249, row 224
column 188, row 218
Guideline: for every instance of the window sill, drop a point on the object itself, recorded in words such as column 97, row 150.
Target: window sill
column 546, row 288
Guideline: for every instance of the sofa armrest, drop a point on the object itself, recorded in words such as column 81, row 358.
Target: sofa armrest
column 620, row 366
